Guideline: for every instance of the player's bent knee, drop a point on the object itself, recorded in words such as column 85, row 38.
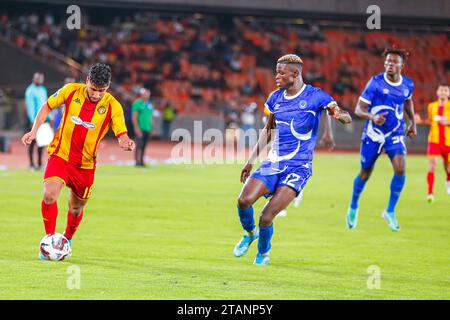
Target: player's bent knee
column 400, row 171
column 50, row 197
column 76, row 211
column 265, row 220
column 365, row 174
column 245, row 201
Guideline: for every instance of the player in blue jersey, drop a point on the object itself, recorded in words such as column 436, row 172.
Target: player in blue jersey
column 384, row 100
column 294, row 110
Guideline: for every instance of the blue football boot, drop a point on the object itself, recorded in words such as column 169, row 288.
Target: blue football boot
column 242, row 246
column 352, row 218
column 261, row 260
column 392, row 220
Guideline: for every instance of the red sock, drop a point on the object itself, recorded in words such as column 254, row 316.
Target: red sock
column 430, row 180
column 49, row 215
column 72, row 224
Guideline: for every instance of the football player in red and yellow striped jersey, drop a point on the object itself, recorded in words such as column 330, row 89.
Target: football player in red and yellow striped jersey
column 89, row 113
column 439, row 137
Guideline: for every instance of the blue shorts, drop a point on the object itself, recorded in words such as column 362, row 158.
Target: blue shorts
column 370, row 150
column 293, row 177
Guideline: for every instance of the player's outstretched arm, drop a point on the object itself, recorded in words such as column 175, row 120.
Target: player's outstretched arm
column 340, row 115
column 263, row 140
column 409, row 110
column 126, row 143
column 40, row 119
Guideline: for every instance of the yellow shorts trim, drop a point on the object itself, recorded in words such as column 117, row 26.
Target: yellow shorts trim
column 81, row 199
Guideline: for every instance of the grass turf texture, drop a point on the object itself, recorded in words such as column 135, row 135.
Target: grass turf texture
column 168, row 232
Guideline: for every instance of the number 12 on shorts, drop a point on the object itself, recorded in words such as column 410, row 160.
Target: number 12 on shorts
column 290, row 179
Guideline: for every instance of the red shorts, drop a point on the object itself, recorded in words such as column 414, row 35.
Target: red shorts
column 80, row 181
column 435, row 149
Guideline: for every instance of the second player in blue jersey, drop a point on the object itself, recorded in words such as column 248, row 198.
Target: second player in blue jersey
column 294, row 114
column 382, row 104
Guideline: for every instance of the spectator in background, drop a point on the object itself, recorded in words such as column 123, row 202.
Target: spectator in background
column 314, row 76
column 58, row 112
column 361, row 43
column 35, row 97
column 128, row 113
column 248, row 120
column 142, row 110
column 169, row 113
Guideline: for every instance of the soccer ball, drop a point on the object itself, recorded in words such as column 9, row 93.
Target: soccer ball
column 55, row 247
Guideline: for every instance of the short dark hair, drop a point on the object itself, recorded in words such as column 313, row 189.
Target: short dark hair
column 100, row 74
column 401, row 52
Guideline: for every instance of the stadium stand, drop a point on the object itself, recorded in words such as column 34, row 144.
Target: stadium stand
column 202, row 64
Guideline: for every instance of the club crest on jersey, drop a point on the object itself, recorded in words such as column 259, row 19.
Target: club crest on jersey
column 77, row 100
column 303, row 104
column 79, row 121
column 101, row 110
column 406, row 92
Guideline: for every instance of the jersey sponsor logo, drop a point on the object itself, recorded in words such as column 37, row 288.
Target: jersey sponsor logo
column 77, row 100
column 276, row 107
column 302, row 104
column 88, row 125
column 101, row 110
column 79, row 121
column 76, row 120
column 385, row 91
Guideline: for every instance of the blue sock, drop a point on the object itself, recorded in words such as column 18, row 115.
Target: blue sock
column 358, row 187
column 397, row 184
column 246, row 217
column 265, row 234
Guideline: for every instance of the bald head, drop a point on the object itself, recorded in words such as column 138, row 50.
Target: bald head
column 38, row 78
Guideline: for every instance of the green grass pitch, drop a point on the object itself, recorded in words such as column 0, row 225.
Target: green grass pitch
column 167, row 232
